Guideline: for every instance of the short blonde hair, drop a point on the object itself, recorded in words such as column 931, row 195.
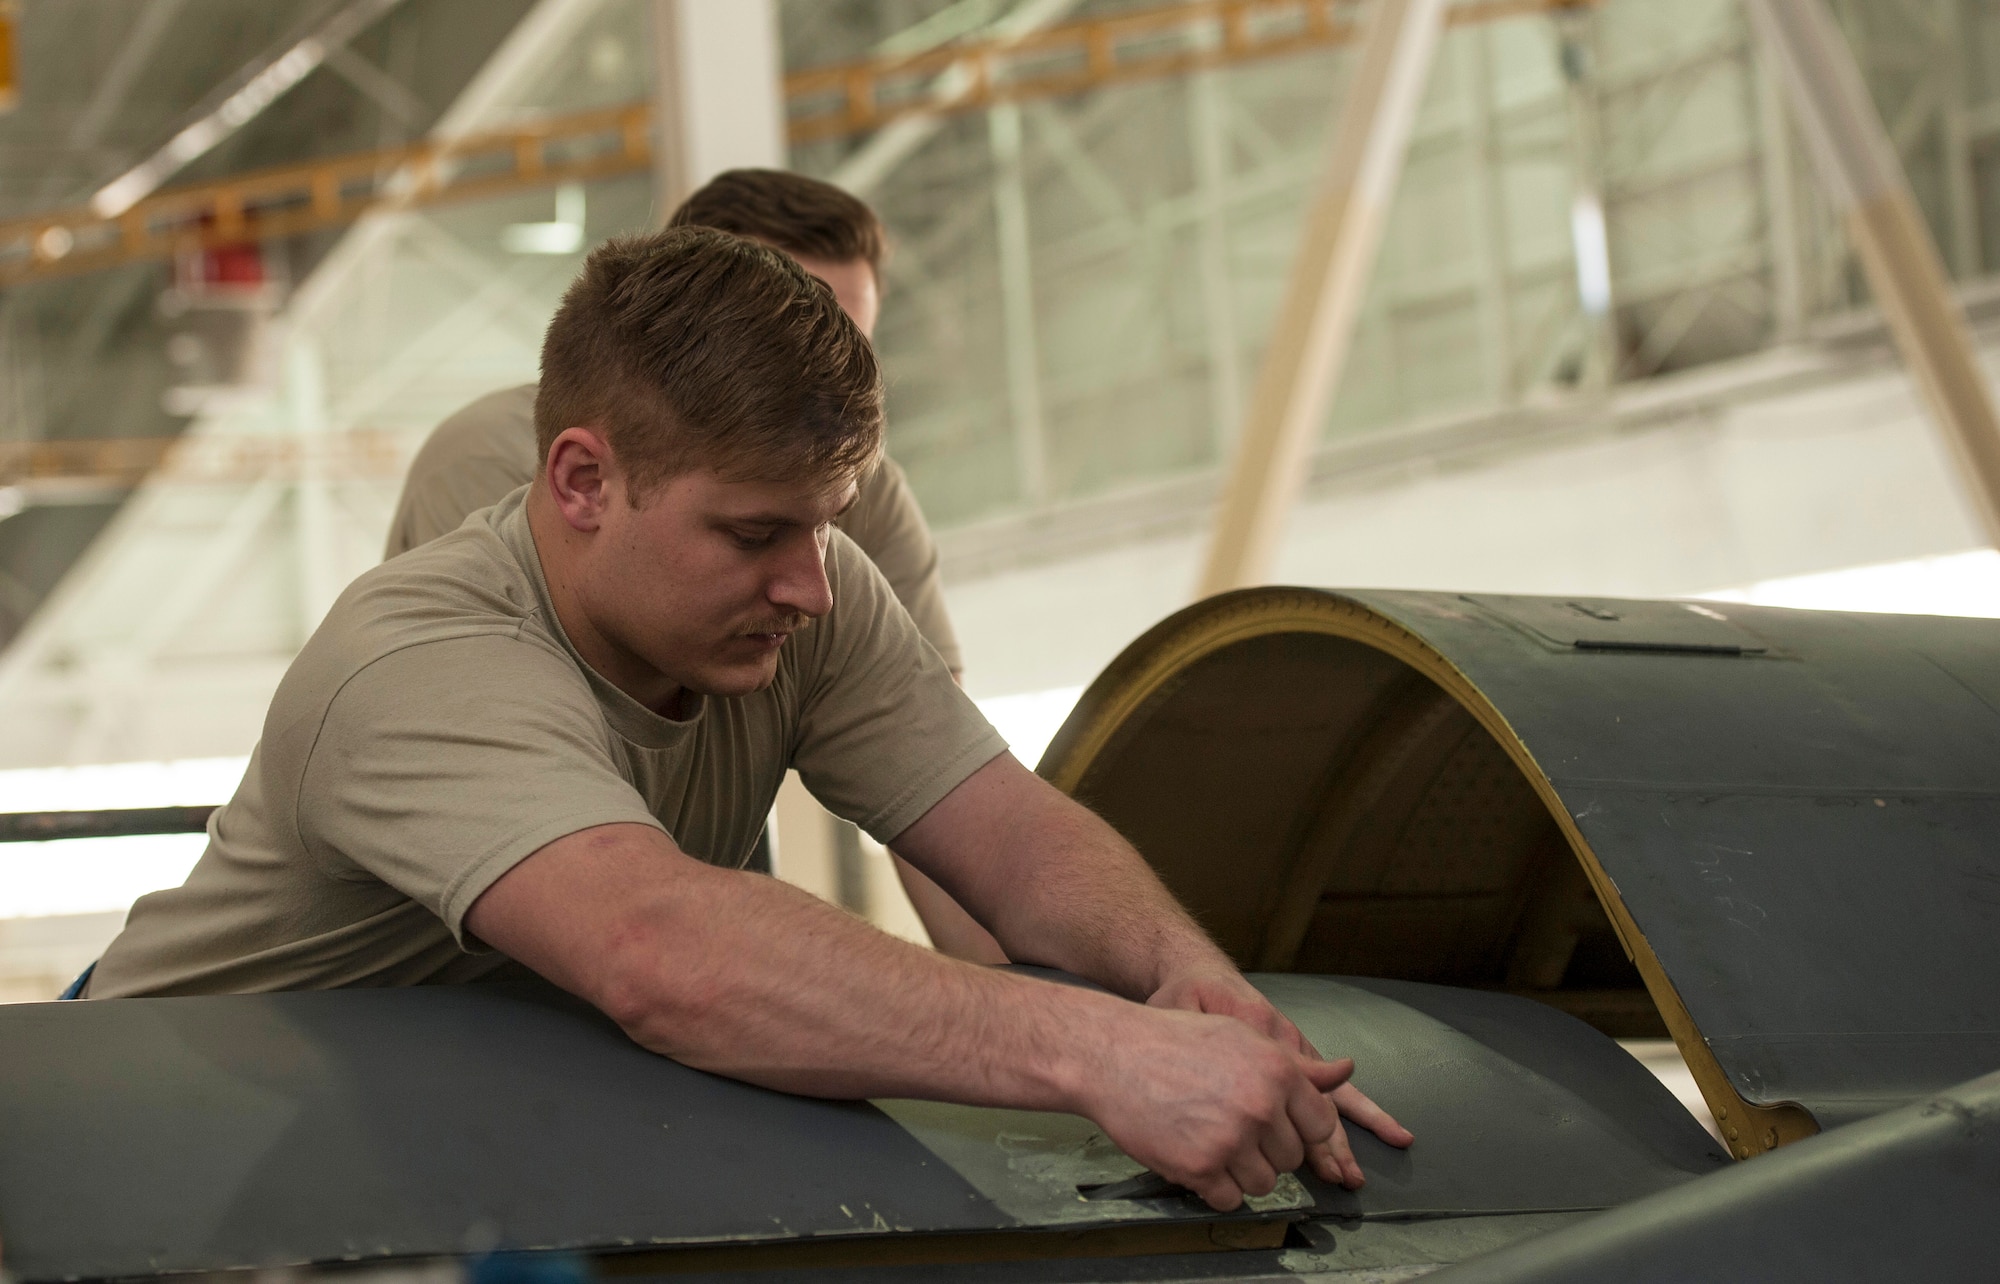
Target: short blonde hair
column 696, row 348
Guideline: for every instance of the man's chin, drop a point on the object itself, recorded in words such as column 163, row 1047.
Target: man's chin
column 728, row 681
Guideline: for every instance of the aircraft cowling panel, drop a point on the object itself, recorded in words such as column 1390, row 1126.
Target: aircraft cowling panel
column 1774, row 834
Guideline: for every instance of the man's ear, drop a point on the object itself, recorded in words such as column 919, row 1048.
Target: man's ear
column 578, row 474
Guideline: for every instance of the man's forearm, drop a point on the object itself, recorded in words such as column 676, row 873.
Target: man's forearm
column 749, row 977
column 951, row 929
column 816, row 1001
column 1055, row 884
column 755, row 979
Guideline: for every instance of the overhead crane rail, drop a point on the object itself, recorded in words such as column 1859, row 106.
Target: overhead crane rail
column 1074, row 57
column 826, row 102
column 121, row 463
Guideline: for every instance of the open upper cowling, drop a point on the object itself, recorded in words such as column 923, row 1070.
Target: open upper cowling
column 1774, row 834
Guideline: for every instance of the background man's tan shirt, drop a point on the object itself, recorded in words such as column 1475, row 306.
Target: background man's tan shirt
column 487, row 449
column 439, row 728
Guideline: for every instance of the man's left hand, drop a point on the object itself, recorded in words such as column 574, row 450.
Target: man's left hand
column 1226, row 993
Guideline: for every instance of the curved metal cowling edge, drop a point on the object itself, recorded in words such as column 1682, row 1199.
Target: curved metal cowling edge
column 1818, row 1212
column 1681, row 711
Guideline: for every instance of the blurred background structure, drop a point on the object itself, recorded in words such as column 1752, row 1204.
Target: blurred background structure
column 1616, row 340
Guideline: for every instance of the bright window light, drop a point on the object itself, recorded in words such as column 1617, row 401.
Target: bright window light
column 1947, row 584
column 1030, row 720
column 190, row 782
column 92, row 875
column 1593, row 254
column 95, row 875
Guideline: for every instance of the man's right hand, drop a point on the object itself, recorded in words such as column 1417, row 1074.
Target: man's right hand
column 1212, row 1104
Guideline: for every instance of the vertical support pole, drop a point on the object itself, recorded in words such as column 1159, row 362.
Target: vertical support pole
column 804, row 855
column 1315, row 322
column 1589, row 236
column 1866, row 185
column 718, row 95
column 1961, row 204
column 850, row 867
column 1017, row 303
column 312, row 499
column 1209, row 143
column 1781, row 201
column 1489, row 201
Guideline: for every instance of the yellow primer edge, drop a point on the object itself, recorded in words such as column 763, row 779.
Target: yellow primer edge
column 1235, row 617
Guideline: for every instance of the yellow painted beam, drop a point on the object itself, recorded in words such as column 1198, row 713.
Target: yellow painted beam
column 1315, row 322
column 836, row 101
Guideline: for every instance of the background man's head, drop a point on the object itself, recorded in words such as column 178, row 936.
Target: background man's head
column 692, row 348
column 833, row 235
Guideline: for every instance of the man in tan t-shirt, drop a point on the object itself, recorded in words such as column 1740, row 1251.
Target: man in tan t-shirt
column 487, row 449
column 547, row 740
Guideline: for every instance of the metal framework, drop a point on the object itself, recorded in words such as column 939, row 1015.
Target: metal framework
column 1159, row 217
column 124, row 461
column 837, row 101
column 290, row 199
column 1076, row 57
column 1315, row 325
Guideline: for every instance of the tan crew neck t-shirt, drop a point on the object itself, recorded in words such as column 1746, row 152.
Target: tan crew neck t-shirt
column 438, row 728
column 487, row 449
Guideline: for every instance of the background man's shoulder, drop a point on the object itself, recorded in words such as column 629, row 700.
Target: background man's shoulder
column 472, row 459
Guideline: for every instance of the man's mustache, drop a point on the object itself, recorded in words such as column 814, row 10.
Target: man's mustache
column 779, row 624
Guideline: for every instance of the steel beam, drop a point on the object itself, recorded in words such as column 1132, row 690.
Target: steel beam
column 1489, row 205
column 904, row 136
column 313, row 527
column 717, row 97
column 1208, row 143
column 1781, row 202
column 1315, row 322
column 1017, row 303
column 1866, row 185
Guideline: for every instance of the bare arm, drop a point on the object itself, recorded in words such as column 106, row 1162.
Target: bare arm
column 749, row 977
column 952, row 930
column 1059, row 886
column 1055, row 884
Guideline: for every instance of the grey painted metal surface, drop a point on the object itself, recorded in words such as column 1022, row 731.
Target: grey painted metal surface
column 1774, row 833
column 1327, row 1252
column 154, row 1135
column 1496, row 1134
column 1808, row 835
column 1906, row 1195
column 146, row 1135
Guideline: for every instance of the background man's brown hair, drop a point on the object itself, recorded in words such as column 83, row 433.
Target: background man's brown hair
column 799, row 215
column 694, row 348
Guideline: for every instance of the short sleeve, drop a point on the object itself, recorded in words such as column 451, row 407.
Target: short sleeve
column 889, row 526
column 473, row 459
column 883, row 731
column 441, row 766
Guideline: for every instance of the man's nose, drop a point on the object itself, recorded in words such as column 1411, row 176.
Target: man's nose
column 801, row 584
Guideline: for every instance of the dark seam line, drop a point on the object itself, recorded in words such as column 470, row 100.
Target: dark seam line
column 1770, row 791
column 1447, row 1214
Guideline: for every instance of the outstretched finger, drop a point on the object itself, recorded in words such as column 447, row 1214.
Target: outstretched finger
column 1354, row 1104
column 1341, row 1166
column 1327, row 1075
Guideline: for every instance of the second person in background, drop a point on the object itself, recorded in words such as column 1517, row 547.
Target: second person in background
column 486, row 450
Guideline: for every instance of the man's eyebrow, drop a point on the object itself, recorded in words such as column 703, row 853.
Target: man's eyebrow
column 780, row 520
